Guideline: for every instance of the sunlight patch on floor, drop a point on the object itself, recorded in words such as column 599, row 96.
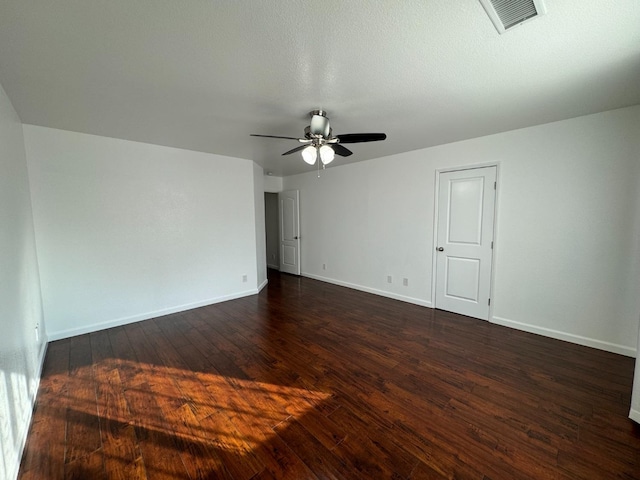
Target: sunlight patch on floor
column 226, row 412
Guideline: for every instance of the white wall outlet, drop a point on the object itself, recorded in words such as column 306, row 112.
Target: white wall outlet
column 389, row 279
column 244, row 278
column 405, row 282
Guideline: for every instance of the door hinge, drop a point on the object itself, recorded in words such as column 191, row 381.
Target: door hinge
column 491, row 245
column 489, row 302
column 495, row 185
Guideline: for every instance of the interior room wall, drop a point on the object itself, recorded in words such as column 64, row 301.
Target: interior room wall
column 22, row 329
column 566, row 263
column 272, row 227
column 258, row 213
column 127, row 231
column 272, row 184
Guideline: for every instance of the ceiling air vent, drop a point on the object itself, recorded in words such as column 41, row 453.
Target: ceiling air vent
column 506, row 14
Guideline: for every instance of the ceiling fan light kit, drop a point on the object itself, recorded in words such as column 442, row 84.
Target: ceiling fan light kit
column 320, row 145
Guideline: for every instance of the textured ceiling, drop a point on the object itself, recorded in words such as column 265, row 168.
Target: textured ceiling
column 203, row 75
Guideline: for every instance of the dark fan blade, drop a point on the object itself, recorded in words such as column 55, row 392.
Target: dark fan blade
column 340, row 150
column 294, row 150
column 361, row 137
column 272, row 136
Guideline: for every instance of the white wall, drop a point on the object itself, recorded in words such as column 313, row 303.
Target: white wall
column 566, row 263
column 261, row 243
column 127, row 231
column 367, row 220
column 21, row 350
column 272, row 184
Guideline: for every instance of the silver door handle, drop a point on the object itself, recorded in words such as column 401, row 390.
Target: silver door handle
column 440, row 249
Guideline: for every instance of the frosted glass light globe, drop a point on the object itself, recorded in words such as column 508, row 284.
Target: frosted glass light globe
column 327, row 154
column 310, row 154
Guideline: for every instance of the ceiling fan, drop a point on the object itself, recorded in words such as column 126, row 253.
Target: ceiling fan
column 319, row 142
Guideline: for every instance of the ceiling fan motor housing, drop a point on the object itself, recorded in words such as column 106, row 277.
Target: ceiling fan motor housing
column 319, row 127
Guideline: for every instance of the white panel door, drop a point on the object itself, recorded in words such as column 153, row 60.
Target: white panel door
column 464, row 248
column 289, row 231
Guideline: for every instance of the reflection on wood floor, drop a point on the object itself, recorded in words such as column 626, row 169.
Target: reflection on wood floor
column 310, row 380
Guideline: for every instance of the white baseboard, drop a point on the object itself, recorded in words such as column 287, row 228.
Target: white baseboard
column 546, row 332
column 568, row 337
column 275, row 267
column 262, row 285
column 382, row 293
column 634, row 415
column 72, row 332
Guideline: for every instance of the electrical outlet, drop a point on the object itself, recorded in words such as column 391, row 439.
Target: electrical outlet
column 244, row 278
column 389, row 279
column 405, row 282
column 324, row 266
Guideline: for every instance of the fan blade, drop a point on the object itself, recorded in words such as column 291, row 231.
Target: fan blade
column 340, row 150
column 361, row 137
column 272, row 136
column 294, row 150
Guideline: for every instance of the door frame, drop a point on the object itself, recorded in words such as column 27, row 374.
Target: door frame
column 496, row 243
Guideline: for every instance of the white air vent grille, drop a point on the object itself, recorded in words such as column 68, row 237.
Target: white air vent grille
column 506, row 14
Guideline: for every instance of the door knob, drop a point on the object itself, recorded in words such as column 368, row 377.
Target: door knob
column 296, row 238
column 440, row 249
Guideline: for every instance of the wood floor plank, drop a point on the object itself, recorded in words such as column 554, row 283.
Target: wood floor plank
column 310, row 380
column 199, row 456
column 319, row 460
column 83, row 426
column 327, row 432
column 89, row 466
column 424, row 472
column 371, row 452
column 184, row 411
column 122, row 456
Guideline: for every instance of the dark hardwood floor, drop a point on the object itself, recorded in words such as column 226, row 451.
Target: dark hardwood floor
column 309, row 380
